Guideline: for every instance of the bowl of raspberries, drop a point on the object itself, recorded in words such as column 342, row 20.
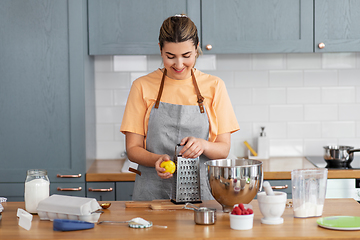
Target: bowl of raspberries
column 241, row 217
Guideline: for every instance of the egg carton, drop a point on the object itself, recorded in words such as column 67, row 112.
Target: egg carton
column 69, row 207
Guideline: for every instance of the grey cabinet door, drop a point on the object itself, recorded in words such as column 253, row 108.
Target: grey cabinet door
column 124, row 191
column 132, row 27
column 257, row 26
column 44, row 70
column 337, row 25
column 102, row 191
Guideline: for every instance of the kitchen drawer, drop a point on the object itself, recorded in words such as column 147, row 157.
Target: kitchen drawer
column 71, row 189
column 102, row 191
column 281, row 184
column 124, row 191
column 14, row 192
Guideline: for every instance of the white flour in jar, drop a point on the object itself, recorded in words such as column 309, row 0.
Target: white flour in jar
column 309, row 209
column 35, row 191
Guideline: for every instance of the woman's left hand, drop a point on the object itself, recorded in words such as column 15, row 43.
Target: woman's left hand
column 193, row 147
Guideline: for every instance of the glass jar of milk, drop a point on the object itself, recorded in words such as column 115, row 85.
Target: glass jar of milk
column 37, row 187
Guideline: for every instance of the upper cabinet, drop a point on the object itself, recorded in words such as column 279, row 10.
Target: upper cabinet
column 257, row 26
column 232, row 26
column 132, row 27
column 337, row 27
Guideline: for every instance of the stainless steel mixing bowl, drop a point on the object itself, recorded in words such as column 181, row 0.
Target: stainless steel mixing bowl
column 233, row 181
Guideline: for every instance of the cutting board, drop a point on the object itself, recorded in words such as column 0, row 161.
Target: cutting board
column 155, row 205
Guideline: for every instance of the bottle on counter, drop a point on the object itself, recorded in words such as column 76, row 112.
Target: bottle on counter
column 37, row 188
column 263, row 145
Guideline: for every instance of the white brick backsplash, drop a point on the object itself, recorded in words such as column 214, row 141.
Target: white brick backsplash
column 354, row 142
column 240, row 96
column 269, row 61
column 338, row 95
column 304, row 100
column 130, row 63
column 286, row 113
column 288, row 147
column 349, row 77
column 252, row 113
column 110, row 149
column 206, row 62
column 304, row 60
column 338, row 129
column 320, row 78
column 320, row 112
column 339, row 60
column 349, row 112
column 105, row 132
column 303, row 95
column 315, row 147
column 104, row 97
column 112, row 80
column 304, row 130
column 286, row 78
column 233, row 62
column 120, row 97
column 251, row 79
column 269, row 96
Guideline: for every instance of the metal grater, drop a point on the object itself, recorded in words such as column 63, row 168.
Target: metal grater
column 187, row 179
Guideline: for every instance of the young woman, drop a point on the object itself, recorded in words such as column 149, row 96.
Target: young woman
column 177, row 104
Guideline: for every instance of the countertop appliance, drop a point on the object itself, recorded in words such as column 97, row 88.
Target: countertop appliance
column 340, row 188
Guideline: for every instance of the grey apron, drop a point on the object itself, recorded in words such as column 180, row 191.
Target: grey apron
column 168, row 124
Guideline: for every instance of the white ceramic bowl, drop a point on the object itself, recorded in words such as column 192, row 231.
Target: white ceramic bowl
column 241, row 222
column 272, row 207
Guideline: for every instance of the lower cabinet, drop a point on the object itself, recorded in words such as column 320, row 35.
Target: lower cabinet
column 110, row 191
column 282, row 185
column 14, row 192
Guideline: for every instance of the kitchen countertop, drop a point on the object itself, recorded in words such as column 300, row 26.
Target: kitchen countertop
column 180, row 224
column 274, row 168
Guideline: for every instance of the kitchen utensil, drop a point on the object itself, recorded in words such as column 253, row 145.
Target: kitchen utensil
column 340, row 222
column 308, row 191
column 233, row 181
column 340, row 156
column 134, row 223
column 241, row 222
column 105, row 205
column 71, row 225
column 272, row 207
column 187, row 179
column 202, row 215
column 250, row 148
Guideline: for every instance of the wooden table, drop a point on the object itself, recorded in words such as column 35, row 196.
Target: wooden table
column 181, row 225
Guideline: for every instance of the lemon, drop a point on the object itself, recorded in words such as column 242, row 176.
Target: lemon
column 169, row 166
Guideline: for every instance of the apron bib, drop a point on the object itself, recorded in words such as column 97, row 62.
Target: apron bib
column 168, row 124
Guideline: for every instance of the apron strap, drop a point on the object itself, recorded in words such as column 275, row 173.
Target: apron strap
column 200, row 98
column 160, row 89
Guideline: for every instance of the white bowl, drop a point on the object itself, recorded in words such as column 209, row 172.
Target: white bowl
column 272, row 207
column 241, row 222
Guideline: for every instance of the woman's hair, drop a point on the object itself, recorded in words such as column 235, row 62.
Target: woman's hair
column 179, row 28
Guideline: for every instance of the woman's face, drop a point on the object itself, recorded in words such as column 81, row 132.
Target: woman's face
column 179, row 59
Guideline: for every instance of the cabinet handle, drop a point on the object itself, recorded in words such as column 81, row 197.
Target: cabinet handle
column 101, row 190
column 280, row 187
column 321, row 45
column 208, row 47
column 69, row 189
column 69, row 176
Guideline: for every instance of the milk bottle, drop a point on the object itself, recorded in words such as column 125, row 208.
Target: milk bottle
column 37, row 187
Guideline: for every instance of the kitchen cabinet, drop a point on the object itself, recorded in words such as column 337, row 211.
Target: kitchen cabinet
column 283, row 186
column 258, row 26
column 132, row 27
column 46, row 95
column 124, row 191
column 337, row 26
column 102, row 191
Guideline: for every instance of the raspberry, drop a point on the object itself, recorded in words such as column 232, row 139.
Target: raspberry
column 236, row 210
column 250, row 211
column 241, row 206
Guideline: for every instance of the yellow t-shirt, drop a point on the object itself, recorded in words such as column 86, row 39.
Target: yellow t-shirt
column 144, row 91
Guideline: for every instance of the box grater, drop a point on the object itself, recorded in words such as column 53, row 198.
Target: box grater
column 187, row 179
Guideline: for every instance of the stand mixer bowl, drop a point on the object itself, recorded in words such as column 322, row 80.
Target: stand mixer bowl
column 233, row 181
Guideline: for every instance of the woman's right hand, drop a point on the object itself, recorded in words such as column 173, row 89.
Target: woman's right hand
column 161, row 171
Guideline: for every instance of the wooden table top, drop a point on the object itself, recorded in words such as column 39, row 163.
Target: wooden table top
column 274, row 168
column 180, row 224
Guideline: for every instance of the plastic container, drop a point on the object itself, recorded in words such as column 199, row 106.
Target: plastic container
column 308, row 191
column 37, row 187
column 69, row 207
column 263, row 145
